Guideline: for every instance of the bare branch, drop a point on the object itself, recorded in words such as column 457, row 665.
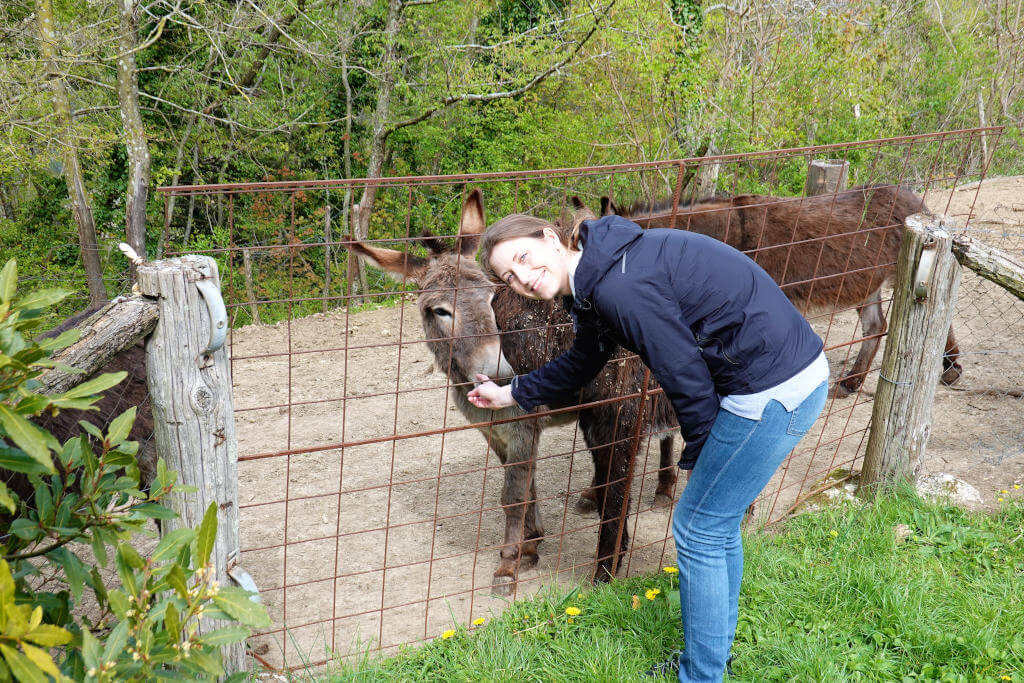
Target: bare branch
column 488, row 97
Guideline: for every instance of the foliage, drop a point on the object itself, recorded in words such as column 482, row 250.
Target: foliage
column 898, row 590
column 63, row 502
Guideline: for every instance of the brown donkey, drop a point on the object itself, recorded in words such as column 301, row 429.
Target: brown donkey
column 462, row 313
column 825, row 251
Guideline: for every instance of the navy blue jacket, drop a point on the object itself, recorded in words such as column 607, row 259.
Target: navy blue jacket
column 706, row 319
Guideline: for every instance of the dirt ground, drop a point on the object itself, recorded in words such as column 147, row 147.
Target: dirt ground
column 392, row 541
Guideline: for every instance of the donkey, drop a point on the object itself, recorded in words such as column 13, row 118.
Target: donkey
column 473, row 326
column 825, row 251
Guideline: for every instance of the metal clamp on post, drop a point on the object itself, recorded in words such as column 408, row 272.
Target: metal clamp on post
column 925, row 266
column 210, row 292
column 242, row 578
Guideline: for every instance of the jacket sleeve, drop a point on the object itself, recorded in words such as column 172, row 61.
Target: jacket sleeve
column 655, row 327
column 566, row 374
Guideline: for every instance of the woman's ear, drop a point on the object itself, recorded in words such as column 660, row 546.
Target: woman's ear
column 551, row 236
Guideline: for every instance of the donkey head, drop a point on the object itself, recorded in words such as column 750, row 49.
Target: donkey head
column 455, row 301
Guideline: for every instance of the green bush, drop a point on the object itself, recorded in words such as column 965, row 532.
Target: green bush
column 65, row 502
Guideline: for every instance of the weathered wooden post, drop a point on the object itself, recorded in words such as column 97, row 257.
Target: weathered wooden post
column 826, row 176
column 193, row 415
column 924, row 294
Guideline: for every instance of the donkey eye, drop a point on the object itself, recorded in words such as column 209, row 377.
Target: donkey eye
column 441, row 312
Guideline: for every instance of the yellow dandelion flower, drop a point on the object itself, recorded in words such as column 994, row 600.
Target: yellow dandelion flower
column 571, row 620
column 670, row 570
column 652, row 593
column 579, row 596
column 1004, row 677
column 1000, row 500
column 479, row 621
column 833, row 533
column 1004, row 491
column 573, row 611
column 1016, row 486
column 447, row 634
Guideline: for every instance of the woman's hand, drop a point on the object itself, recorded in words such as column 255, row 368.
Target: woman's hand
column 490, row 395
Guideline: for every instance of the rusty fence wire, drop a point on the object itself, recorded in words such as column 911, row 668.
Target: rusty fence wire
column 375, row 508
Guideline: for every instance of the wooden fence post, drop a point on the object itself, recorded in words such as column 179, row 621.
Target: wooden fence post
column 924, row 294
column 193, row 413
column 826, row 176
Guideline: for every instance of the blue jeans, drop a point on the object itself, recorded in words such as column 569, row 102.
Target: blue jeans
column 737, row 461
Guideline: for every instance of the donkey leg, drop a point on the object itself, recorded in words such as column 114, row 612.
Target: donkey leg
column 611, row 470
column 587, row 502
column 519, row 504
column 666, row 473
column 951, row 369
column 872, row 323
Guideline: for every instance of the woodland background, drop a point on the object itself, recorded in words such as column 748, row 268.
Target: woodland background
column 101, row 101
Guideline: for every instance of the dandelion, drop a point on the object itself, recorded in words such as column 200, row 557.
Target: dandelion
column 833, row 533
column 579, row 596
column 1016, row 487
column 670, row 570
column 652, row 593
column 1004, row 491
column 573, row 611
column 447, row 634
column 571, row 620
column 479, row 621
column 1004, row 677
column 1000, row 500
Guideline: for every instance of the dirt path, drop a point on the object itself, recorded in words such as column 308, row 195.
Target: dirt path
column 382, row 539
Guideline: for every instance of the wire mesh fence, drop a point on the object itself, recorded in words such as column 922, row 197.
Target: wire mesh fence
column 379, row 508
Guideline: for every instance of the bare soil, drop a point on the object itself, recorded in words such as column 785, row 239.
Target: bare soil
column 393, row 540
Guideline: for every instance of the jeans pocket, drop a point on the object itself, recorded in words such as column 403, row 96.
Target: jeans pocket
column 731, row 429
column 804, row 415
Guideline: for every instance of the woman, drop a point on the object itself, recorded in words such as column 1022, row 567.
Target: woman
column 743, row 369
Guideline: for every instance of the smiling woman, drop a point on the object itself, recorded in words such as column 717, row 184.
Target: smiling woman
column 743, row 369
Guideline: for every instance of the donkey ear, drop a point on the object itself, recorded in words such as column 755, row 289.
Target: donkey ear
column 472, row 224
column 582, row 213
column 608, row 207
column 399, row 264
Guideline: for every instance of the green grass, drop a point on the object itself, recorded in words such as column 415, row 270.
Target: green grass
column 834, row 596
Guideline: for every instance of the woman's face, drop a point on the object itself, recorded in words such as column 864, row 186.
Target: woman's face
column 531, row 266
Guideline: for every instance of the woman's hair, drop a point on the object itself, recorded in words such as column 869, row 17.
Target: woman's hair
column 509, row 228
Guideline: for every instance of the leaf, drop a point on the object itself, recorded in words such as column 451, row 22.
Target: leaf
column 172, row 622
column 116, row 641
column 26, row 436
column 21, row 666
column 206, row 535
column 8, row 281
column 121, row 426
column 131, row 555
column 6, row 500
column 41, row 298
column 62, row 340
column 99, row 548
column 17, row 461
column 171, row 543
column 90, row 649
column 238, row 604
column 226, row 636
column 207, row 662
column 119, row 603
column 95, row 385
column 41, row 659
column 155, row 511
column 76, row 573
column 33, row 405
column 48, row 635
column 176, row 580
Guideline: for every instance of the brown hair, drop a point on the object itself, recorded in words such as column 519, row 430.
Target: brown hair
column 512, row 227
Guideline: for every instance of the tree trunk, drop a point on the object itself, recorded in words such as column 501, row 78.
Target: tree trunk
column 990, row 263
column 72, row 171
column 135, row 135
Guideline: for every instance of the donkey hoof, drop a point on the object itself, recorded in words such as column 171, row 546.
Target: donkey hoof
column 952, row 374
column 503, row 585
column 845, row 388
column 663, row 500
column 586, row 506
column 528, row 561
column 603, row 573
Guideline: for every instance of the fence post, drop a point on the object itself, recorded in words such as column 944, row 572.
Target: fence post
column 924, row 294
column 193, row 414
column 826, row 176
